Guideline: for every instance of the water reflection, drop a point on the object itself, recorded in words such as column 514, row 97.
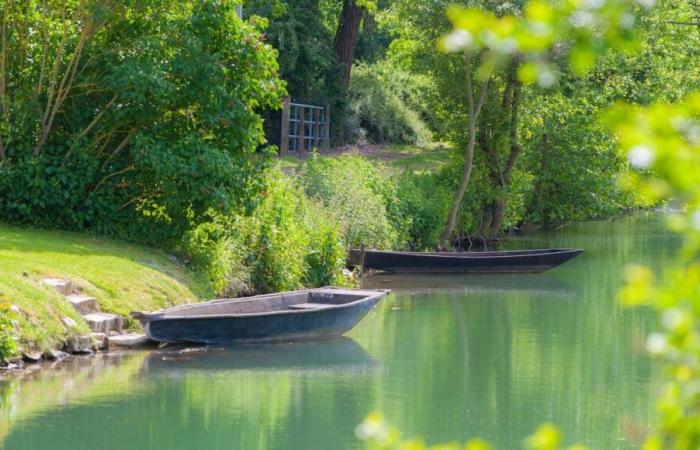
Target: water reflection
column 339, row 354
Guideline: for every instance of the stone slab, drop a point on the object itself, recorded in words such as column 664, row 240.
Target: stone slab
column 31, row 356
column 131, row 340
column 100, row 341
column 54, row 355
column 103, row 322
column 79, row 345
column 65, row 287
column 83, row 303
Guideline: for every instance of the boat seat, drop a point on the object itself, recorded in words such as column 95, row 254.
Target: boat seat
column 310, row 306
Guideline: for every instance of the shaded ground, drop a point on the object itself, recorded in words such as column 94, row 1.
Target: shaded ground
column 398, row 157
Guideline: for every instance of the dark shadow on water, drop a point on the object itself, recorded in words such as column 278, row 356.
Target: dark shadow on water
column 330, row 354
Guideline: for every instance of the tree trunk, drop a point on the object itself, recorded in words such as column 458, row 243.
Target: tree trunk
column 499, row 213
column 474, row 110
column 500, row 176
column 346, row 36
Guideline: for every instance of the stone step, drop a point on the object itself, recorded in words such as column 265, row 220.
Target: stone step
column 131, row 340
column 80, row 345
column 65, row 287
column 103, row 322
column 100, row 341
column 31, row 356
column 83, row 303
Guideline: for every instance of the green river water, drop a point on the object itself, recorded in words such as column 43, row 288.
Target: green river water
column 443, row 357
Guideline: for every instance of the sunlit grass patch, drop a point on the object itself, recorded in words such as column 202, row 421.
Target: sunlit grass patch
column 123, row 278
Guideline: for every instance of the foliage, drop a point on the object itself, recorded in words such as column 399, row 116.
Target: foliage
column 385, row 106
column 8, row 338
column 589, row 29
column 357, row 195
column 422, row 207
column 662, row 141
column 305, row 47
column 574, row 163
column 220, row 255
column 276, row 242
column 132, row 119
column 379, row 436
column 287, row 242
column 325, row 257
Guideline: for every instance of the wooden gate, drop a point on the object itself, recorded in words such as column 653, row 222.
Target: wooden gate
column 303, row 128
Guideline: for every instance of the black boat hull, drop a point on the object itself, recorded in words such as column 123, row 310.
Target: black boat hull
column 521, row 261
column 273, row 327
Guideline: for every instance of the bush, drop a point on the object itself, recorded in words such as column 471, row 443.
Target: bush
column 286, row 243
column 325, row 257
column 156, row 128
column 356, row 194
column 277, row 239
column 380, row 108
column 423, row 207
column 217, row 252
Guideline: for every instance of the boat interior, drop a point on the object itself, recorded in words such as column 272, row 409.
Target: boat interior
column 312, row 299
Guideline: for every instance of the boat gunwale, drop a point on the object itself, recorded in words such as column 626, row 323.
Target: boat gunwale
column 161, row 315
column 475, row 255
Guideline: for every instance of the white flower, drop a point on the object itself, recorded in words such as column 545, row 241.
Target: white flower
column 509, row 45
column 546, row 78
column 593, row 4
column 627, row 20
column 689, row 128
column 582, row 19
column 695, row 220
column 641, row 156
column 458, row 40
column 647, row 3
column 672, row 318
column 656, row 343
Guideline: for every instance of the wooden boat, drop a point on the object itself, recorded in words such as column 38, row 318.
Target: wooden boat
column 469, row 262
column 287, row 316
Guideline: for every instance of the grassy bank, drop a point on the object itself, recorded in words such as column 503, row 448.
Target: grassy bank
column 122, row 277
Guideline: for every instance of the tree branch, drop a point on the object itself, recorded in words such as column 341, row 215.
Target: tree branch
column 97, row 117
column 119, row 148
column 107, row 177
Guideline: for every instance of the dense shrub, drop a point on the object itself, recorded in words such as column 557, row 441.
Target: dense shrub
column 276, row 239
column 287, row 242
column 145, row 122
column 356, row 194
column 422, row 208
column 218, row 251
column 383, row 107
column 325, row 257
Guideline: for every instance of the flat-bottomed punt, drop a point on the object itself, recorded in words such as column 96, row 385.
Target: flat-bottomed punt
column 516, row 261
column 287, row 316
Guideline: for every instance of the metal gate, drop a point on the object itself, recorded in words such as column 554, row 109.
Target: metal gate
column 304, row 128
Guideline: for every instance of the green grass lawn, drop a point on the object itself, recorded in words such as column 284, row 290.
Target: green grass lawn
column 121, row 276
